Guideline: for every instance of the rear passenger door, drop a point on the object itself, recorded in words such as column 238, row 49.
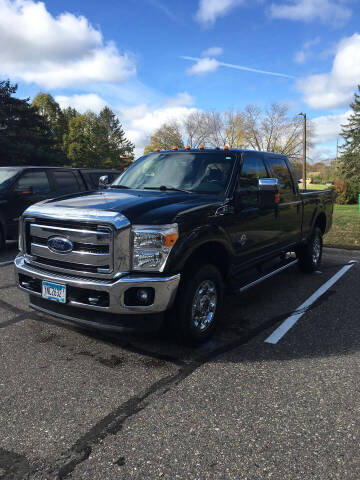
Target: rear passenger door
column 65, row 182
column 289, row 210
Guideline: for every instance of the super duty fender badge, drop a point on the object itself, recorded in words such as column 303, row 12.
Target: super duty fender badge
column 243, row 239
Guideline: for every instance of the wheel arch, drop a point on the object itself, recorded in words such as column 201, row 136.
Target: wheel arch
column 213, row 252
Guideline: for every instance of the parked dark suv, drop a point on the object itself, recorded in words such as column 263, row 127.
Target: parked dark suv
column 21, row 187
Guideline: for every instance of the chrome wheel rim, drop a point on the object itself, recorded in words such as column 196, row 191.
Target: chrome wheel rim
column 204, row 305
column 316, row 250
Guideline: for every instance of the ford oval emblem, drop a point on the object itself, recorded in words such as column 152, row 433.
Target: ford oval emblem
column 60, row 245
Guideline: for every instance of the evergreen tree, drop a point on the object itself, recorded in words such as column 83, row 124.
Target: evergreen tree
column 49, row 109
column 97, row 141
column 25, row 136
column 115, row 149
column 350, row 150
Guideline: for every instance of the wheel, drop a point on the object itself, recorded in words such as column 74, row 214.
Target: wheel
column 310, row 254
column 197, row 307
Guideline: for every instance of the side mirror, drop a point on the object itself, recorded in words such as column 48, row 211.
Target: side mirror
column 268, row 192
column 103, row 182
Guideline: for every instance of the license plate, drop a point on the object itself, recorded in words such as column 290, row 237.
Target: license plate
column 54, row 292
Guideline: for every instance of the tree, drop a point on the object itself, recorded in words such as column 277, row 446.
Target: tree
column 274, row 131
column 115, row 149
column 167, row 136
column 50, row 110
column 25, row 136
column 97, row 141
column 195, row 128
column 350, row 150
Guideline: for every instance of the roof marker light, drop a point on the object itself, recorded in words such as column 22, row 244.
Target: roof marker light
column 187, row 147
column 201, row 147
column 174, row 147
column 157, row 149
column 226, row 147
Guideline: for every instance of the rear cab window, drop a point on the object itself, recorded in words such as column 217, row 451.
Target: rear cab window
column 281, row 171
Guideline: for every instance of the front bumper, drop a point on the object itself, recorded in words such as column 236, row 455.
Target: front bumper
column 29, row 279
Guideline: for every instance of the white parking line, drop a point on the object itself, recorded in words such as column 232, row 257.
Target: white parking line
column 290, row 321
column 6, row 263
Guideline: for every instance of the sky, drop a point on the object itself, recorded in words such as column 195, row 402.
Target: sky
column 153, row 61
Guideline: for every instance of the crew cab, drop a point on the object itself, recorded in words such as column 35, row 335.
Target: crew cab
column 23, row 186
column 162, row 244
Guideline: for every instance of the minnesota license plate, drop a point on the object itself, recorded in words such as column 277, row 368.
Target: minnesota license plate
column 54, row 291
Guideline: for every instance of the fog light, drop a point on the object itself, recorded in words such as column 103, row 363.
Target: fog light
column 143, row 295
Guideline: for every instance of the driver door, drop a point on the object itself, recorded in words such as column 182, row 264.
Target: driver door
column 252, row 228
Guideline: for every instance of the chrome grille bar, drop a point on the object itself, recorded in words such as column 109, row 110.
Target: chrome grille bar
column 83, row 258
column 75, row 235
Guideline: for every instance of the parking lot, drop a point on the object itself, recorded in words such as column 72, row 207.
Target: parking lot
column 82, row 404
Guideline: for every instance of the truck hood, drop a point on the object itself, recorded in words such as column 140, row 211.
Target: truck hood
column 151, row 207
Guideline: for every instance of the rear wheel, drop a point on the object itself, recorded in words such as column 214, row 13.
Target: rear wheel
column 310, row 255
column 197, row 308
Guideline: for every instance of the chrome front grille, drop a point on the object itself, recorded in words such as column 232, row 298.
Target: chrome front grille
column 92, row 252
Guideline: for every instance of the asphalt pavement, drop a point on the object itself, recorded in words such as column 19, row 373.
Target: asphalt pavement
column 81, row 404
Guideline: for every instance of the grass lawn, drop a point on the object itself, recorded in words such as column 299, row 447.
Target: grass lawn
column 345, row 232
column 315, row 186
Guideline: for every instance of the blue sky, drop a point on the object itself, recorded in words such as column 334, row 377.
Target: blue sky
column 128, row 54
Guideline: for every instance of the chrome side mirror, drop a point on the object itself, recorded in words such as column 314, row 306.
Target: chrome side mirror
column 103, row 182
column 268, row 184
column 268, row 192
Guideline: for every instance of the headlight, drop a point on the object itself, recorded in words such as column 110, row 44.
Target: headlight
column 152, row 245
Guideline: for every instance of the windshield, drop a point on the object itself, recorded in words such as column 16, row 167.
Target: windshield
column 189, row 171
column 6, row 176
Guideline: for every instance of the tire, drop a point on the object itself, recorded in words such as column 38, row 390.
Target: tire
column 310, row 254
column 202, row 286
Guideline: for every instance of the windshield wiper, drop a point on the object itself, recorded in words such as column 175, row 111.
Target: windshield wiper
column 164, row 188
column 118, row 186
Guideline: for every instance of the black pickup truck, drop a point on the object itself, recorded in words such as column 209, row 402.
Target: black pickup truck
column 21, row 187
column 164, row 241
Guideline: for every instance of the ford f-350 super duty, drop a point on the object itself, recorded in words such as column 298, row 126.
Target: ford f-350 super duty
column 161, row 244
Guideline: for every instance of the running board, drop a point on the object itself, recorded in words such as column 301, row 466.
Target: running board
column 264, row 276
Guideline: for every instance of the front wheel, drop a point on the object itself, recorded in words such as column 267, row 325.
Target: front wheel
column 197, row 308
column 310, row 255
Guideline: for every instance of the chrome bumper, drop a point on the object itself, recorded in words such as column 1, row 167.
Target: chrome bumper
column 165, row 288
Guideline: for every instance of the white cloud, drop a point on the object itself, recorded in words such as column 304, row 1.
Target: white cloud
column 212, row 52
column 210, row 10
column 82, row 102
column 334, row 12
column 328, row 127
column 335, row 88
column 181, row 99
column 56, row 51
column 141, row 121
column 203, row 65
column 302, row 55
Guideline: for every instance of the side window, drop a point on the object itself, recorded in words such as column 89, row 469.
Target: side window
column 252, row 169
column 37, row 180
column 282, row 173
column 66, row 182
